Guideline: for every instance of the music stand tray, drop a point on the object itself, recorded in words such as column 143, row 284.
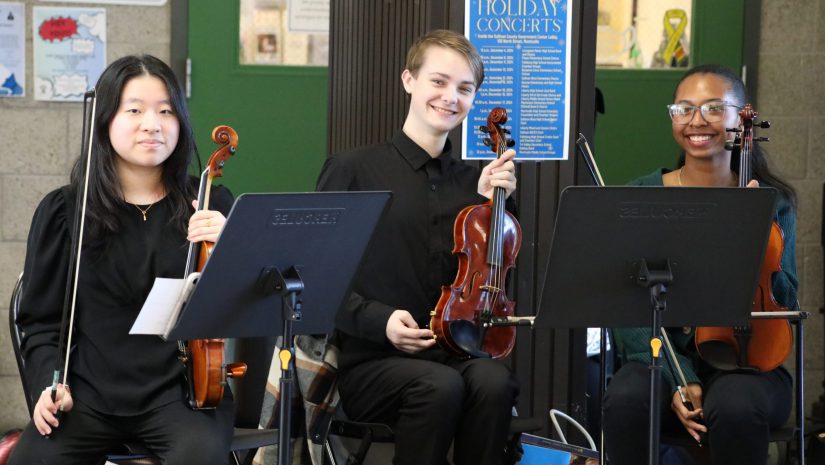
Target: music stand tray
column 708, row 235
column 622, row 255
column 277, row 254
column 321, row 234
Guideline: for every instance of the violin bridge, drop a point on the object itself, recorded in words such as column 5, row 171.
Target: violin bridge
column 489, row 288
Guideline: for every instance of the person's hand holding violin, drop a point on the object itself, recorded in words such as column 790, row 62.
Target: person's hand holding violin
column 403, row 332
column 205, row 225
column 501, row 172
column 44, row 414
column 690, row 418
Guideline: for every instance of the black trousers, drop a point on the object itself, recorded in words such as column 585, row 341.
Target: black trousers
column 433, row 400
column 739, row 411
column 173, row 432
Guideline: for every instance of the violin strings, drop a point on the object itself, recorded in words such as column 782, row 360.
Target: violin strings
column 499, row 227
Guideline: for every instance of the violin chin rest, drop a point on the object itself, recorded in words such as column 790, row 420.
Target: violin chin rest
column 719, row 354
column 467, row 337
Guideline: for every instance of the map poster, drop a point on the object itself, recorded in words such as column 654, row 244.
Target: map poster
column 525, row 46
column 12, row 49
column 69, row 51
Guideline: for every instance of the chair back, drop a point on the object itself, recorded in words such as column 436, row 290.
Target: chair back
column 17, row 337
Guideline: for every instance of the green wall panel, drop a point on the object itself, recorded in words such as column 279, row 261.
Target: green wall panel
column 279, row 112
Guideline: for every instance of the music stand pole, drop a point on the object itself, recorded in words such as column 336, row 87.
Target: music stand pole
column 602, row 388
column 656, row 281
column 289, row 286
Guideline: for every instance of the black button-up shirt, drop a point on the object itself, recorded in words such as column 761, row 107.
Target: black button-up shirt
column 410, row 257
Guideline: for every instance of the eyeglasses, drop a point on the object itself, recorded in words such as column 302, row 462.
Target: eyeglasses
column 712, row 112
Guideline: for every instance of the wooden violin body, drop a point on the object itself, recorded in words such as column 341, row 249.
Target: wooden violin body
column 764, row 344
column 204, row 358
column 487, row 241
column 468, row 298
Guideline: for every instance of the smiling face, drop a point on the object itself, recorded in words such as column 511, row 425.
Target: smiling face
column 442, row 92
column 698, row 137
column 145, row 129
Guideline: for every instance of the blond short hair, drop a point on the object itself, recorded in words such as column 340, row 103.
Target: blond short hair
column 450, row 40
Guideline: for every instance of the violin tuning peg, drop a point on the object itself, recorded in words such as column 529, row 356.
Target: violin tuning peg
column 764, row 124
column 733, row 130
column 730, row 145
column 484, row 129
column 505, row 130
column 511, row 143
column 763, row 139
column 488, row 142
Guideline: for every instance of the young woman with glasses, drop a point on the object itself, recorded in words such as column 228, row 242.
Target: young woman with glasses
column 732, row 411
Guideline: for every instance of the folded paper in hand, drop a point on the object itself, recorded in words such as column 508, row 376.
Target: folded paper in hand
column 163, row 306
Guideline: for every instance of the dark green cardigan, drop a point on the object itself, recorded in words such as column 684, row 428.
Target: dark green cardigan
column 633, row 344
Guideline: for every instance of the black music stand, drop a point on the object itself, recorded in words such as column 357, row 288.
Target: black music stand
column 279, row 254
column 622, row 255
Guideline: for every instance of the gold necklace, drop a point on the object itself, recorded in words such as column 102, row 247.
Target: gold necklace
column 679, row 178
column 144, row 211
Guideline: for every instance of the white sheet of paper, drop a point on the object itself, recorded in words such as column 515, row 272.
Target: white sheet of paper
column 163, row 305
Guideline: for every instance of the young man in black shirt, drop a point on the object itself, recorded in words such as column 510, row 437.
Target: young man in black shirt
column 391, row 369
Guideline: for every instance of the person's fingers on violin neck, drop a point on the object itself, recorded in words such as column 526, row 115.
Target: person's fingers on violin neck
column 205, row 225
column 498, row 173
column 753, row 183
column 507, row 181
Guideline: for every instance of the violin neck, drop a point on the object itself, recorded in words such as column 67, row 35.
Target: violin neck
column 745, row 173
column 494, row 238
column 203, row 203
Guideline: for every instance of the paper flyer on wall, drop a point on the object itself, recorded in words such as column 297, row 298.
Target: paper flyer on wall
column 12, row 49
column 69, row 47
column 526, row 47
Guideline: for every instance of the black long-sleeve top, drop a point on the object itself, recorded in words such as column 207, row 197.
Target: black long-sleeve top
column 410, row 256
column 109, row 370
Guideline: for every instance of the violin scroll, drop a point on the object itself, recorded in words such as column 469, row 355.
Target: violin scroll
column 227, row 138
column 497, row 141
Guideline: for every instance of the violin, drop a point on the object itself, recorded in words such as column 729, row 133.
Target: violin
column 765, row 343
column 207, row 372
column 474, row 316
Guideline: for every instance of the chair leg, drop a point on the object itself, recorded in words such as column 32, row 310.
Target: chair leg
column 358, row 457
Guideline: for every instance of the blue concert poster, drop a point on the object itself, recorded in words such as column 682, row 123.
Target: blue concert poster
column 525, row 46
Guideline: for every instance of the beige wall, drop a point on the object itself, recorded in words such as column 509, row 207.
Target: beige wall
column 39, row 142
column 40, row 139
column 792, row 96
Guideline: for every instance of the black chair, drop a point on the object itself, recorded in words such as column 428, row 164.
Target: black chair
column 248, row 393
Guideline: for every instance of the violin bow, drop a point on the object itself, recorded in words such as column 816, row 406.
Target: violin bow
column 70, row 297
column 683, row 393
